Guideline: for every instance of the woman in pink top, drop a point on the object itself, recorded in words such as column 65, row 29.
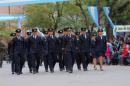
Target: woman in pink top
column 108, row 54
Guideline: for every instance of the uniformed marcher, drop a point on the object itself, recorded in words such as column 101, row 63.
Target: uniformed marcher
column 93, row 47
column 60, row 54
column 77, row 52
column 67, row 51
column 28, row 34
column 19, row 51
column 45, row 51
column 52, row 49
column 35, row 50
column 73, row 37
column 85, row 42
column 100, row 47
column 11, row 53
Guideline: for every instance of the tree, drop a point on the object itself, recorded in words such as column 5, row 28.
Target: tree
column 74, row 13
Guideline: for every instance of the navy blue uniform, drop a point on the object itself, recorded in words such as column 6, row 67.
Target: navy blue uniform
column 45, row 54
column 35, row 50
column 52, row 51
column 19, row 52
column 73, row 44
column 28, row 55
column 60, row 53
column 78, row 53
column 85, row 42
column 100, row 46
column 11, row 56
column 93, row 46
column 67, row 53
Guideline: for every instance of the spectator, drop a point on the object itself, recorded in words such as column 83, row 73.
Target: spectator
column 108, row 54
column 125, row 54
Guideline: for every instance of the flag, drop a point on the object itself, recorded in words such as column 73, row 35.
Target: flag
column 107, row 11
column 93, row 11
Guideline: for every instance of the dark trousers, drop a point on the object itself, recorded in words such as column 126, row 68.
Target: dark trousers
column 73, row 58
column 61, row 60
column 68, row 61
column 1, row 62
column 35, row 61
column 19, row 61
column 13, row 67
column 22, row 62
column 78, row 60
column 46, row 63
column 85, row 59
column 52, row 59
column 29, row 62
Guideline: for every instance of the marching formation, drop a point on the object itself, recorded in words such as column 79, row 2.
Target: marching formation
column 66, row 49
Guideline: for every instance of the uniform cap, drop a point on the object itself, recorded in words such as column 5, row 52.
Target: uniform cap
column 83, row 29
column 100, row 30
column 60, row 31
column 34, row 30
column 50, row 29
column 13, row 34
column 28, row 33
column 18, row 31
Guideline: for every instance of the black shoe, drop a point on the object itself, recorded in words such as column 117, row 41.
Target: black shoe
column 18, row 73
column 61, row 69
column 12, row 72
column 70, row 71
column 52, row 70
column 46, row 70
column 21, row 72
column 85, row 69
column 34, row 72
column 37, row 71
column 30, row 71
column 67, row 70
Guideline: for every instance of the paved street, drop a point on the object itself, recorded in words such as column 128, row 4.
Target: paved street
column 112, row 76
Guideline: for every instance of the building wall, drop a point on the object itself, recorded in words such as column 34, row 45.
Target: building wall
column 13, row 10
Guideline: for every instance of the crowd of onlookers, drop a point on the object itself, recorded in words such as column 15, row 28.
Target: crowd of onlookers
column 118, row 51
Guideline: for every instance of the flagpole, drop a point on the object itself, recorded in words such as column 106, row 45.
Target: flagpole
column 108, row 32
column 99, row 18
column 9, row 14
